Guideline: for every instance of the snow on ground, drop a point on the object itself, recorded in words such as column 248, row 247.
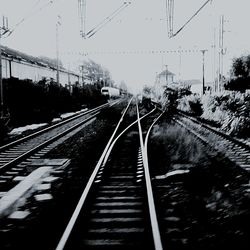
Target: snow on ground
column 67, row 115
column 56, row 120
column 20, row 130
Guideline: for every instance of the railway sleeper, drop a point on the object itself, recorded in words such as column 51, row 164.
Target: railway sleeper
column 112, row 244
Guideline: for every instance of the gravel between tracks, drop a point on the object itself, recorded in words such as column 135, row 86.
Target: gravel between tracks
column 207, row 208
column 43, row 228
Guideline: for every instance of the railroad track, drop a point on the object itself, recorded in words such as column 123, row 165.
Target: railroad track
column 15, row 156
column 234, row 149
column 116, row 209
column 182, row 208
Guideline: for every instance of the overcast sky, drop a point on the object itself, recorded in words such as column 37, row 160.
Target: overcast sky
column 141, row 27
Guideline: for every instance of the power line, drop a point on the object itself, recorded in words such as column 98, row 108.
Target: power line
column 144, row 52
column 107, row 19
column 36, row 3
column 126, row 52
column 82, row 15
column 170, row 17
column 30, row 14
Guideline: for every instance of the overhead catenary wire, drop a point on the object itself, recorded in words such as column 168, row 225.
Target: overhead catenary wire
column 107, row 19
column 190, row 19
column 30, row 14
column 170, row 17
column 103, row 22
column 36, row 3
column 124, row 52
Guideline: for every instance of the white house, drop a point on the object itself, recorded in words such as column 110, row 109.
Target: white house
column 165, row 77
column 196, row 86
column 162, row 80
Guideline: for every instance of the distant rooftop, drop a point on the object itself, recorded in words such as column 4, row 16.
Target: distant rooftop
column 8, row 52
column 192, row 82
column 41, row 61
column 165, row 72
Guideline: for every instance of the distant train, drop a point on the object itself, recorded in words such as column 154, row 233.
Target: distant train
column 110, row 92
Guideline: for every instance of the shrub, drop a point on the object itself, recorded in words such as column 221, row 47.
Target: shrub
column 238, row 84
column 190, row 104
column 30, row 102
column 171, row 95
column 230, row 109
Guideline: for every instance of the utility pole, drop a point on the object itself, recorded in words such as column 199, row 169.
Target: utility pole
column 82, row 16
column 57, row 49
column 166, row 74
column 3, row 30
column 213, row 56
column 69, row 82
column 203, row 70
column 81, row 69
column 180, row 64
column 222, row 52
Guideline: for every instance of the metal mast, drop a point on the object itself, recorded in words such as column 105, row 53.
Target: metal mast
column 82, row 5
column 222, row 52
column 58, row 23
column 170, row 17
column 3, row 30
column 203, row 70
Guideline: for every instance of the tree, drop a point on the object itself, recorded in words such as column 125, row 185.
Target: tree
column 123, row 86
column 239, row 67
column 240, row 72
column 97, row 73
column 146, row 91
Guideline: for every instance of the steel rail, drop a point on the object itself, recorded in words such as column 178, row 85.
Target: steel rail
column 150, row 196
column 226, row 136
column 202, row 138
column 4, row 147
column 45, row 143
column 63, row 240
column 101, row 162
column 125, row 130
column 236, row 158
